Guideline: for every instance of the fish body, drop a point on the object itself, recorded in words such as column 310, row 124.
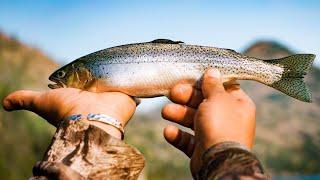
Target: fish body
column 151, row 69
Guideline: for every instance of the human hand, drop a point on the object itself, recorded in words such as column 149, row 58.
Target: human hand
column 219, row 113
column 57, row 104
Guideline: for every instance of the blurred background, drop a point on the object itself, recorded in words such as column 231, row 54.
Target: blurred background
column 36, row 37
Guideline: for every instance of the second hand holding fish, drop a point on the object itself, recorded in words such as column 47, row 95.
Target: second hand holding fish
column 216, row 114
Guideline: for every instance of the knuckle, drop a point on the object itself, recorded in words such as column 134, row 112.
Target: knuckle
column 204, row 105
column 175, row 92
column 219, row 91
column 20, row 103
column 211, row 81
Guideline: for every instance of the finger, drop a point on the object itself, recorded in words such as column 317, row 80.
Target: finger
column 180, row 114
column 20, row 100
column 179, row 139
column 136, row 100
column 239, row 93
column 212, row 83
column 185, row 94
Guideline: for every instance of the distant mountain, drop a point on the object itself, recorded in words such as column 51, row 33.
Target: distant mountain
column 288, row 131
column 267, row 50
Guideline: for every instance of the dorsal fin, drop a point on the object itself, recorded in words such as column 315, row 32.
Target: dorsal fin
column 229, row 50
column 166, row 41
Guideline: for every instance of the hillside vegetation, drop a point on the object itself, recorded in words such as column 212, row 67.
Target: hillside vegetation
column 23, row 135
column 288, row 131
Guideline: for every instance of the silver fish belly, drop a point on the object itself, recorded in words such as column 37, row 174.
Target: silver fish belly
column 150, row 76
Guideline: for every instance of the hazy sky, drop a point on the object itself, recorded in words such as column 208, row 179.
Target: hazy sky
column 69, row 29
column 66, row 30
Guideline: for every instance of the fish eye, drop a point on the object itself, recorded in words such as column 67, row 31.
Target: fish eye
column 61, row 74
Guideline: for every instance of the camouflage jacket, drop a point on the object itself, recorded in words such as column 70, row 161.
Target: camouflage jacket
column 82, row 151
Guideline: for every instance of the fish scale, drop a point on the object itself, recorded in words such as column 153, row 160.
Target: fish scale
column 151, row 69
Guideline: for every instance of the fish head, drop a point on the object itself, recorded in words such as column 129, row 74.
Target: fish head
column 74, row 75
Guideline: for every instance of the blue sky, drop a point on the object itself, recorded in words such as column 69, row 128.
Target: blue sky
column 69, row 29
column 66, row 30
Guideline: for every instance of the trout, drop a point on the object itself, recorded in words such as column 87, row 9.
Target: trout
column 151, row 69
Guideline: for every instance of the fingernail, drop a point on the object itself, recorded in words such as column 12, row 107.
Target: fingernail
column 213, row 73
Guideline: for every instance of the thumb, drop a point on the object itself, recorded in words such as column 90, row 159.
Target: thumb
column 20, row 100
column 212, row 83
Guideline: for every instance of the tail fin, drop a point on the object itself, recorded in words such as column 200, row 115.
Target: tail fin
column 291, row 83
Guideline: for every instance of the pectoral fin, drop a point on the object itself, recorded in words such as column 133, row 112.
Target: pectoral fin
column 231, row 85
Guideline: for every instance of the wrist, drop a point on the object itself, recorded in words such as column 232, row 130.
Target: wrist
column 106, row 123
column 113, row 131
column 213, row 139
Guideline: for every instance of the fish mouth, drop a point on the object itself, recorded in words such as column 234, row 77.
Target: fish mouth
column 58, row 83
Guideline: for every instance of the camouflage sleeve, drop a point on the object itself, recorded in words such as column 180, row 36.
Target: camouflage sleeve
column 82, row 151
column 230, row 160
